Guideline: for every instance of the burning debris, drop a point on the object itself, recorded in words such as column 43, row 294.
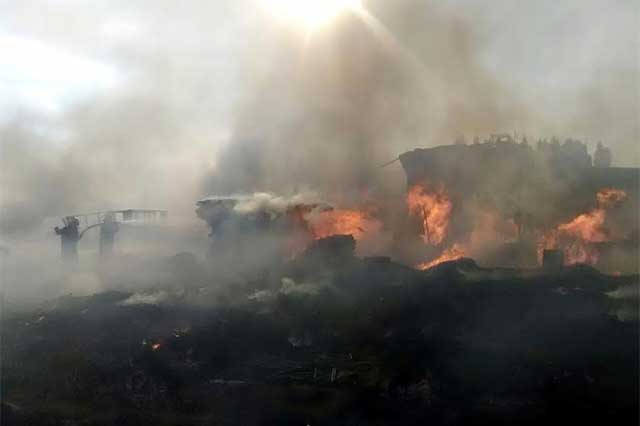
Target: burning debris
column 577, row 237
column 365, row 302
column 452, row 253
column 358, row 223
column 290, row 223
column 303, row 316
column 458, row 210
column 432, row 205
column 521, row 205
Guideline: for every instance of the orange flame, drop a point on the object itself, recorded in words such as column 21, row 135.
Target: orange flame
column 452, row 253
column 433, row 206
column 588, row 227
column 358, row 223
column 610, row 197
column 579, row 252
column 576, row 236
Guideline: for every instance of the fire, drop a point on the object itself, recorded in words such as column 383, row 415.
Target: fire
column 452, row 253
column 490, row 227
column 433, row 206
column 588, row 227
column 579, row 252
column 577, row 236
column 610, row 197
column 358, row 223
column 155, row 346
column 309, row 222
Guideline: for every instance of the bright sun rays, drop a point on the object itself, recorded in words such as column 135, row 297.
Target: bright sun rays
column 311, row 14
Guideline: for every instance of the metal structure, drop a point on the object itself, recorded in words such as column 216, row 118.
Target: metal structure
column 90, row 220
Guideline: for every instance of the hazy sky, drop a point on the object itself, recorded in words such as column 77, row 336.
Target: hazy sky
column 57, row 52
column 170, row 75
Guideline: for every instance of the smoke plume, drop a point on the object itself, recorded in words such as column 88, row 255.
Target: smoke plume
column 326, row 111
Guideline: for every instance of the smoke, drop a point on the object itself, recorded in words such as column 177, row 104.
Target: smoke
column 297, row 113
column 223, row 99
column 145, row 140
column 326, row 111
column 152, row 298
column 131, row 151
column 264, row 201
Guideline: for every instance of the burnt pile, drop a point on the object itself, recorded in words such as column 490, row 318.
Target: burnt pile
column 326, row 339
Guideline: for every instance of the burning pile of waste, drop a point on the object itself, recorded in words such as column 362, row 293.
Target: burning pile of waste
column 576, row 238
column 289, row 305
column 292, row 223
column 547, row 198
column 504, row 203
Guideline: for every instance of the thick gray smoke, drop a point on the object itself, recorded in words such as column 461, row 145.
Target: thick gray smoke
column 325, row 112
column 291, row 114
column 145, row 140
column 220, row 98
column 126, row 153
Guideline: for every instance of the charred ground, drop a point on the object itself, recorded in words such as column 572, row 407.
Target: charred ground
column 330, row 338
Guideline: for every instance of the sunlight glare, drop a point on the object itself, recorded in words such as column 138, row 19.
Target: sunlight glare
column 311, row 13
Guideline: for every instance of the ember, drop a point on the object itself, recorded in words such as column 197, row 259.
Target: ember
column 433, row 206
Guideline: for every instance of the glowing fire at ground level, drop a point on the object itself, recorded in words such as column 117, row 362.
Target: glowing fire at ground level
column 430, row 206
column 577, row 237
column 358, row 223
column 453, row 253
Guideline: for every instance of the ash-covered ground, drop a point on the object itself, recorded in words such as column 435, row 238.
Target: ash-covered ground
column 329, row 338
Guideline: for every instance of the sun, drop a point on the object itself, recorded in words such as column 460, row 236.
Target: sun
column 310, row 13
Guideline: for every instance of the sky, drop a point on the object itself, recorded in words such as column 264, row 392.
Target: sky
column 57, row 52
column 151, row 91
